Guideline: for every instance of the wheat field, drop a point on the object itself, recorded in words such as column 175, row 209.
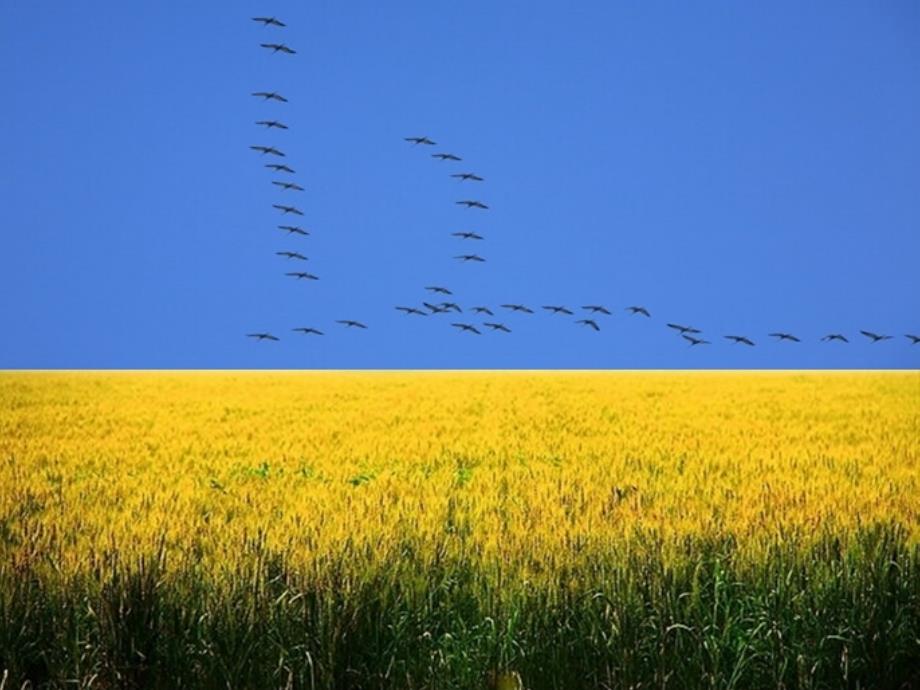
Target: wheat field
column 460, row 530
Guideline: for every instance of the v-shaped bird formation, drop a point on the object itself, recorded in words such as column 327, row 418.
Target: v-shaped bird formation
column 590, row 317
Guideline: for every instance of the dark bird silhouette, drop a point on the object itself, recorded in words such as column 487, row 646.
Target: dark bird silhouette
column 269, row 21
column 472, row 203
column 785, row 336
column 470, row 257
column 288, row 209
column 834, row 336
column 420, row 140
column 294, row 230
column 467, row 235
column 307, row 331
column 597, row 309
column 452, row 306
column 446, row 156
column 348, row 323
column 411, row 310
column 638, row 310
column 292, row 255
column 269, row 124
column 300, row 275
column 914, row 339
column 466, row 327
column 436, row 288
column 467, row 176
column 288, row 186
column 497, row 327
column 739, row 339
column 683, row 329
column 695, row 341
column 517, row 307
column 589, row 322
column 278, row 48
column 279, row 168
column 435, row 308
column 267, row 149
column 558, row 310
column 270, row 96
column 875, row 337
column 483, row 310
column 262, row 336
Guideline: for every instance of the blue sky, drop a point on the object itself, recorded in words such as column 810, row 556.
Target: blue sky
column 739, row 167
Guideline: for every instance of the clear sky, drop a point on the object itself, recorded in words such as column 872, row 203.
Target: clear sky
column 739, row 167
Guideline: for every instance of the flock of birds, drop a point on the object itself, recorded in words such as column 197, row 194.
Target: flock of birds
column 591, row 313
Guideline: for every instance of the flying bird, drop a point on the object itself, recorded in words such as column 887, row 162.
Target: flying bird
column 288, row 209
column 740, row 339
column 914, row 339
column 435, row 309
column 695, row 341
column 269, row 21
column 420, row 140
column 446, row 156
column 785, row 336
column 279, row 168
column 472, row 203
column 300, row 275
column 483, row 310
column 517, row 307
column 467, row 235
column 683, row 329
column 262, row 336
column 589, row 322
column 451, row 306
column 470, row 257
column 269, row 124
column 267, row 149
column 467, row 176
column 307, row 331
column 278, row 48
column 875, row 337
column 294, row 230
column 558, row 310
column 348, row 323
column 497, row 327
column 834, row 336
column 597, row 309
column 292, row 255
column 466, row 327
column 638, row 310
column 288, row 186
column 270, row 96
column 436, row 288
column 411, row 310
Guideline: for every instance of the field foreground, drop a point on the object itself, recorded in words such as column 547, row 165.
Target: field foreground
column 426, row 530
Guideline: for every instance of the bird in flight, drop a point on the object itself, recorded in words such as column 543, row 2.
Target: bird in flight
column 472, row 203
column 437, row 288
column 597, row 309
column 589, row 322
column 294, row 230
column 279, row 168
column 638, row 310
column 420, row 140
column 411, row 310
column 348, row 323
column 466, row 327
column 497, row 326
column 740, row 339
column 270, row 96
column 875, row 337
column 269, row 21
column 683, row 329
column 278, row 48
column 300, row 275
column 483, row 310
column 288, row 186
column 695, row 341
column 467, row 235
column 451, row 306
column 470, row 257
column 292, row 255
column 288, row 209
column 914, row 339
column 307, row 331
column 435, row 308
column 262, row 336
column 269, row 124
column 446, row 156
column 834, row 336
column 558, row 310
column 467, row 176
column 267, row 149
column 785, row 336
column 517, row 307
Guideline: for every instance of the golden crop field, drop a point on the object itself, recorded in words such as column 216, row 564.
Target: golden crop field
column 422, row 529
